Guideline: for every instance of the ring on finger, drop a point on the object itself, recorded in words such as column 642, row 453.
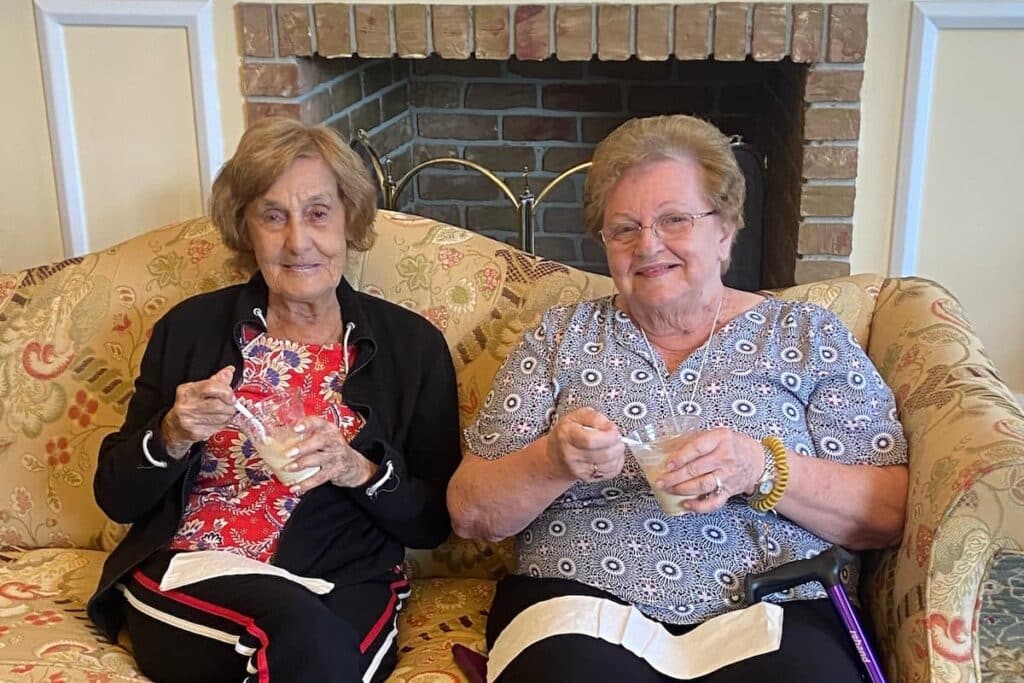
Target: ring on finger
column 595, row 473
column 718, row 485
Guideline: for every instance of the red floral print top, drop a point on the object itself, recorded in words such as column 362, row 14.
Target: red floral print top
column 237, row 504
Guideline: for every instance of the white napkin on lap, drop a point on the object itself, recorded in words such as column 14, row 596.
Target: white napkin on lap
column 193, row 567
column 717, row 642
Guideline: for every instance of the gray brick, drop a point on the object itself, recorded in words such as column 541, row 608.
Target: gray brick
column 503, row 158
column 457, row 187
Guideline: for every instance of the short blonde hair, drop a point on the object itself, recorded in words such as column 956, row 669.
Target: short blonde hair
column 267, row 149
column 660, row 138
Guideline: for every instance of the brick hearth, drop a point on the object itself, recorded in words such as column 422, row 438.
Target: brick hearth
column 290, row 68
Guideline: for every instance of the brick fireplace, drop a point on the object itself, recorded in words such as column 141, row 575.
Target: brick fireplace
column 538, row 85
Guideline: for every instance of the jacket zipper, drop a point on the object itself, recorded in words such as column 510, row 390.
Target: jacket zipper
column 344, row 357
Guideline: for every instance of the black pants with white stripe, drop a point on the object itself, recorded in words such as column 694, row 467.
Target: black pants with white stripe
column 815, row 646
column 258, row 628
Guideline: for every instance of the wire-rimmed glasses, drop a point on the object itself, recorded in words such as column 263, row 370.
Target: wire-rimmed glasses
column 666, row 227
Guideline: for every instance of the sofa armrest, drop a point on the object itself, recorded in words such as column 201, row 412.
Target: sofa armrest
column 966, row 501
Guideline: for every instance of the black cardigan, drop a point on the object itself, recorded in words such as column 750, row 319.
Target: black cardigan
column 403, row 385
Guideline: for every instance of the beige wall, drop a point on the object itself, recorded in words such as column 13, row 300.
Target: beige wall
column 972, row 231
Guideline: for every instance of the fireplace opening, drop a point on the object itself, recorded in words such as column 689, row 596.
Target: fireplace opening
column 528, row 122
column 786, row 76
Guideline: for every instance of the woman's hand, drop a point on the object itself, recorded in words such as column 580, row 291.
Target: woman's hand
column 712, row 466
column 324, row 446
column 200, row 410
column 586, row 445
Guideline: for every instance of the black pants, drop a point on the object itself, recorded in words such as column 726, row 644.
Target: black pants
column 815, row 645
column 261, row 628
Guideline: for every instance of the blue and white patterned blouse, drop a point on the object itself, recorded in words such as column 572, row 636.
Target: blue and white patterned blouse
column 783, row 368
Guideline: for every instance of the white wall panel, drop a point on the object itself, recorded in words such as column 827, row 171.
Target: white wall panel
column 29, row 225
column 134, row 128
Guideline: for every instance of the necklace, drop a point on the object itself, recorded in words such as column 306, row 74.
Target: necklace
column 703, row 359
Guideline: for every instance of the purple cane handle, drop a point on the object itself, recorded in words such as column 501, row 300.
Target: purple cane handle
column 860, row 641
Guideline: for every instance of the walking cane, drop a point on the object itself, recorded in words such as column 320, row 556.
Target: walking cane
column 827, row 569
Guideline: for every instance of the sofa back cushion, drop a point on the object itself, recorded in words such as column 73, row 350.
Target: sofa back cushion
column 71, row 338
column 72, row 335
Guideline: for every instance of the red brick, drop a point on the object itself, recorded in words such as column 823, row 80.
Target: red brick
column 373, row 31
column 346, row 92
column 333, row 30
column 435, row 94
column 692, row 31
column 847, row 33
column 830, row 161
column 532, row 35
column 808, row 24
column 500, row 95
column 582, row 97
column 255, row 22
column 572, row 32
column 613, row 32
column 652, row 99
column 314, row 109
column 825, row 238
column 768, row 39
column 411, row 30
column 832, row 124
column 491, row 26
column 458, row 126
column 259, row 110
column 815, row 270
column 538, row 128
column 451, row 31
column 652, row 25
column 827, row 200
column 272, row 79
column 559, row 159
column 597, row 128
column 392, row 135
column 833, row 86
column 293, row 31
column 731, row 32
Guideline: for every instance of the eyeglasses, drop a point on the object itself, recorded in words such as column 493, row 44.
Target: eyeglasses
column 667, row 227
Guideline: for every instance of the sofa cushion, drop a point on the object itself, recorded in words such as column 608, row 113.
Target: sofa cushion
column 851, row 298
column 46, row 636
column 71, row 338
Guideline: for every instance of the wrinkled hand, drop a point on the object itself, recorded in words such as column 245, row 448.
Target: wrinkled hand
column 200, row 410
column 325, row 447
column 713, row 466
column 586, row 446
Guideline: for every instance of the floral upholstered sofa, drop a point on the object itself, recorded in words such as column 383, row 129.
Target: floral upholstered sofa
column 948, row 604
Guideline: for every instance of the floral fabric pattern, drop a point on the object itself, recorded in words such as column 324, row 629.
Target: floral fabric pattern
column 237, row 504
column 786, row 369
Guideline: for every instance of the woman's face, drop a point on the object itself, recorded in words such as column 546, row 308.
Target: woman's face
column 297, row 231
column 655, row 272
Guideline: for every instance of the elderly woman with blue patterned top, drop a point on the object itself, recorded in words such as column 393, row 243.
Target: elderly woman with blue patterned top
column 780, row 388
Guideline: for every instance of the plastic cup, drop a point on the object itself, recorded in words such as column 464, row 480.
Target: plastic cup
column 269, row 426
column 652, row 444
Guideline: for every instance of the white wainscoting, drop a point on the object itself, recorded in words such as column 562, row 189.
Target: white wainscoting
column 927, row 20
column 52, row 16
